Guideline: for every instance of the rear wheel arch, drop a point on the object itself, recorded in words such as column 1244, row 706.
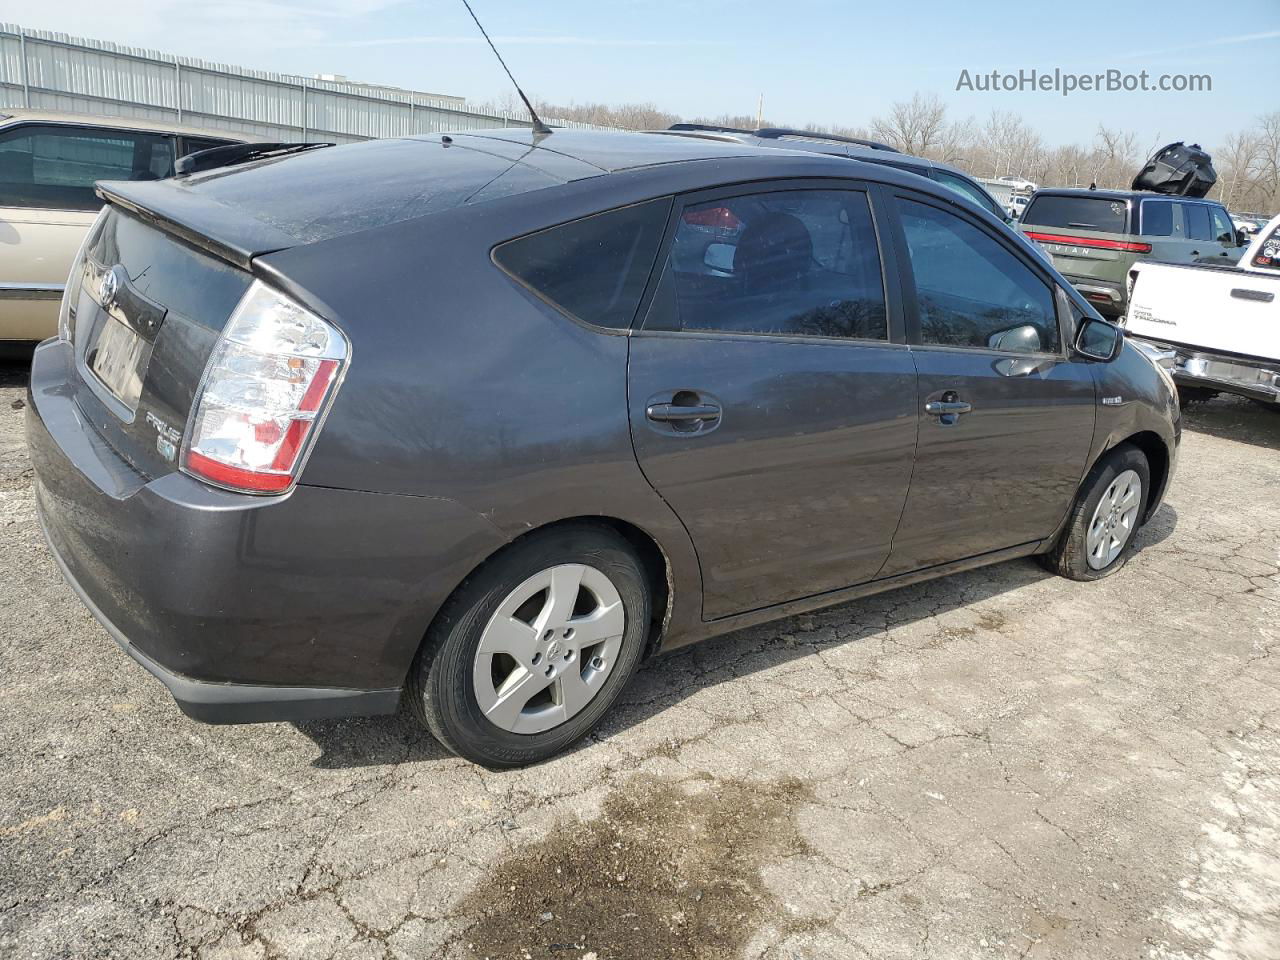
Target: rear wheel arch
column 654, row 560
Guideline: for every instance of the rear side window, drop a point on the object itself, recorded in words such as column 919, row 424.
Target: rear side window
column 1157, row 218
column 971, row 291
column 1078, row 213
column 1198, row 226
column 970, row 190
column 796, row 263
column 594, row 269
column 56, row 167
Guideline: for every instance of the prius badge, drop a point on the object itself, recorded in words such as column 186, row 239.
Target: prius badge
column 1112, row 401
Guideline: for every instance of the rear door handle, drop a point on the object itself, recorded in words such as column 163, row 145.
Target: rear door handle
column 675, row 413
column 1261, row 296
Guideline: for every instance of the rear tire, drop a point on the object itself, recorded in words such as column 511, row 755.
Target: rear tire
column 1099, row 536
column 534, row 647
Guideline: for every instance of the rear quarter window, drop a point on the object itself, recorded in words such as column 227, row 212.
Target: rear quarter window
column 1157, row 218
column 1268, row 252
column 594, row 269
column 1103, row 214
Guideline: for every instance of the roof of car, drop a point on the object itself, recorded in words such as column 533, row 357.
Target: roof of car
column 11, row 115
column 1116, row 194
column 607, row 151
column 802, row 141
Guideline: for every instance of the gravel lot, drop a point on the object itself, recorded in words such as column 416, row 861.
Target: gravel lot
column 1002, row 764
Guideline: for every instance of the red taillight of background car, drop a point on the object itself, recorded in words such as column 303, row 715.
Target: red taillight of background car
column 721, row 217
column 1129, row 246
column 267, row 387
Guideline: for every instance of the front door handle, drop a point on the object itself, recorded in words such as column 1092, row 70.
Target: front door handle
column 940, row 408
column 676, row 413
column 683, row 412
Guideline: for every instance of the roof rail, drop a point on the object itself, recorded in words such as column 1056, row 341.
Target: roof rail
column 777, row 133
column 708, row 128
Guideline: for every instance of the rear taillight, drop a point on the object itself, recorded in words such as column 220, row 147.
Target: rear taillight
column 75, row 280
column 1129, row 246
column 267, row 387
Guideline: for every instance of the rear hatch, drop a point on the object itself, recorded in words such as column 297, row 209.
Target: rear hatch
column 1086, row 236
column 145, row 311
column 167, row 262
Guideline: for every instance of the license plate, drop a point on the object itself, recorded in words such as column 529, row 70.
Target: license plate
column 119, row 359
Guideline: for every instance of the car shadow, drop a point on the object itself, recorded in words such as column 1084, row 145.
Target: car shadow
column 15, row 365
column 666, row 680
column 1234, row 418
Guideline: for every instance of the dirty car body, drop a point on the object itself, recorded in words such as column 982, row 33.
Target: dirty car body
column 758, row 472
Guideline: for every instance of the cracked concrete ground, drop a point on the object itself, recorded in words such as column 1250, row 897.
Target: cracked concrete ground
column 1001, row 764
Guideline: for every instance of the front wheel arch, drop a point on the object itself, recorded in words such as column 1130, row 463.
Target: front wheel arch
column 1157, row 454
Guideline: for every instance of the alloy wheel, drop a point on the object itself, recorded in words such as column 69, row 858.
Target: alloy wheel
column 548, row 648
column 1114, row 520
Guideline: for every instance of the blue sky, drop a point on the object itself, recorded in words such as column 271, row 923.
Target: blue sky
column 822, row 61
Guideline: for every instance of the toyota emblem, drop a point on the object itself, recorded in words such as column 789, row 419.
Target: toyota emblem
column 107, row 288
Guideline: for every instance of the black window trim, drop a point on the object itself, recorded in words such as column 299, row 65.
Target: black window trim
column 1025, row 257
column 91, row 128
column 895, row 328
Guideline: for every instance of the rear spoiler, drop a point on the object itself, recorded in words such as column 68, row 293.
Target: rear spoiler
column 203, row 223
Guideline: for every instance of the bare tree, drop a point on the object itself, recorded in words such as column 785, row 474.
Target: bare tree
column 916, row 126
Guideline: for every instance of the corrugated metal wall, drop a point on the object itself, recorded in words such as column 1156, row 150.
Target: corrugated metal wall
column 52, row 71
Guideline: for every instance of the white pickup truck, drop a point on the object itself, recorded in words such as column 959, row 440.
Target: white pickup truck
column 1216, row 328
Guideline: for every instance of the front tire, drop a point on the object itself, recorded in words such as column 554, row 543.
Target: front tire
column 534, row 647
column 1104, row 521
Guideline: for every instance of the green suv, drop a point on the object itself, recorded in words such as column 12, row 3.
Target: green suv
column 1095, row 236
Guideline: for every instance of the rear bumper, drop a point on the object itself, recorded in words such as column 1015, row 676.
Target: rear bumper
column 1253, row 377
column 247, row 608
column 1107, row 298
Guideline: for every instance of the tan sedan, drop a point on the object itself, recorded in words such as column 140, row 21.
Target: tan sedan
column 48, row 165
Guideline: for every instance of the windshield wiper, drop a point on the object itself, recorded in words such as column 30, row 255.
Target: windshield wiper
column 234, row 153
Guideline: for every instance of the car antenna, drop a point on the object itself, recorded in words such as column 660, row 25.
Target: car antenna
column 540, row 129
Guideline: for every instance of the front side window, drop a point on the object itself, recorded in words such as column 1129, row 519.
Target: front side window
column 56, row 167
column 594, row 269
column 789, row 263
column 1198, row 227
column 1157, row 218
column 973, row 292
column 1224, row 230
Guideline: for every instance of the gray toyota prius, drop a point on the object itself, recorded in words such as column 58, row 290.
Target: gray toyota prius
column 483, row 420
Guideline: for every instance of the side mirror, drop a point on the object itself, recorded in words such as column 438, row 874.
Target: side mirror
column 1021, row 339
column 1242, row 238
column 1098, row 340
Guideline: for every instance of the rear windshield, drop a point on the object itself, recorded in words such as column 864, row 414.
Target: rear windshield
column 1103, row 214
column 594, row 269
column 327, row 193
